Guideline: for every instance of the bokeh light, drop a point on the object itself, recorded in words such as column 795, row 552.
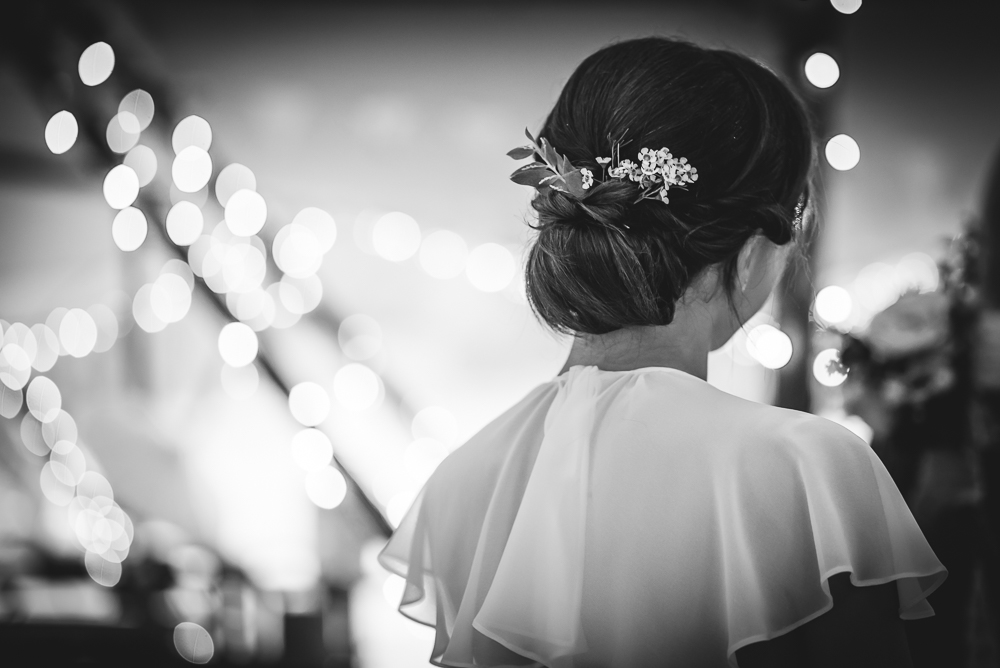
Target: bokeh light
column 281, row 317
column 23, row 336
column 231, row 179
column 246, row 212
column 443, row 254
column 94, row 486
column 296, row 251
column 185, row 223
column 356, row 387
column 822, row 70
column 827, row 369
column 10, row 401
column 846, row 6
column 769, row 346
column 107, row 326
column 119, row 139
column 121, row 187
column 56, row 491
column 360, row 336
column 142, row 311
column 916, row 271
column 193, row 643
column 32, row 436
column 309, row 403
column 68, row 463
column 43, row 398
column 142, row 160
column 135, row 111
column 129, row 228
column 435, row 422
column 875, row 286
column 833, row 304
column 61, row 132
column 15, row 366
column 396, row 236
column 326, row 487
column 491, row 267
column 237, row 344
column 244, row 267
column 239, row 382
column 843, row 153
column 170, row 297
column 320, row 223
column 300, row 295
column 256, row 308
column 96, row 63
column 60, row 432
column 191, row 131
column 311, row 449
column 78, row 333
column 192, row 169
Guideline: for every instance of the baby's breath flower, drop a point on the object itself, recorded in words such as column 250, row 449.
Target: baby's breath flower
column 588, row 178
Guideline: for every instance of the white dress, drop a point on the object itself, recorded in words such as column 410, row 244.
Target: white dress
column 645, row 517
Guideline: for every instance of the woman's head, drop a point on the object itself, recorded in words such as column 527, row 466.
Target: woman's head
column 606, row 262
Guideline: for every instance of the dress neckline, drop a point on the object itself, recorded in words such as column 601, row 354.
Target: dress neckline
column 642, row 368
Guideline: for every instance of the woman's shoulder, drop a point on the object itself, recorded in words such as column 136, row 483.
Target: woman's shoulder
column 751, row 423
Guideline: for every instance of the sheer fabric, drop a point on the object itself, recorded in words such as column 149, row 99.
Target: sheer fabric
column 645, row 517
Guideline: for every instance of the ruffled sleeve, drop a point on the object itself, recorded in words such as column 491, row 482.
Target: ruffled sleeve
column 811, row 502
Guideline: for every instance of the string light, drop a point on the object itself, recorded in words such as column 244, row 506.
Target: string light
column 135, row 111
column 246, row 212
column 846, row 6
column 142, row 160
column 326, row 487
column 311, row 449
column 443, row 254
column 490, row 267
column 193, row 643
column 822, row 70
column 359, row 336
column 121, row 187
column 396, row 236
column 309, row 403
column 61, row 132
column 129, row 229
column 826, row 368
column 237, row 344
column 769, row 346
column 185, row 223
column 96, row 63
column 192, row 169
column 232, row 178
column 191, row 131
column 833, row 304
column 119, row 139
column 843, row 153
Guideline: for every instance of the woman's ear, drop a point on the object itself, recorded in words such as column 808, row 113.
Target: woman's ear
column 746, row 261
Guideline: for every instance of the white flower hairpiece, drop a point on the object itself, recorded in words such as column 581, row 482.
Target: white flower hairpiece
column 655, row 173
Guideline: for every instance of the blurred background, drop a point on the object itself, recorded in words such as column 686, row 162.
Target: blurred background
column 261, row 270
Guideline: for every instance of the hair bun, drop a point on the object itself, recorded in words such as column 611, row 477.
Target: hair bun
column 606, row 204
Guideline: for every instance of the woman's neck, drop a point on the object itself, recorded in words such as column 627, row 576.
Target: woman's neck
column 679, row 345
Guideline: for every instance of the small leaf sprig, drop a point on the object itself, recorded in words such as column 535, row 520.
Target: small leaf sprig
column 655, row 173
column 555, row 171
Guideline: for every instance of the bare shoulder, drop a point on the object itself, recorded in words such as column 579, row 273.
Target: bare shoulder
column 862, row 629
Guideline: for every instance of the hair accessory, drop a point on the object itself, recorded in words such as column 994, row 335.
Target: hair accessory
column 655, row 173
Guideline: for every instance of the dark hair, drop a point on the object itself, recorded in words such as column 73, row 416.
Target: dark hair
column 606, row 261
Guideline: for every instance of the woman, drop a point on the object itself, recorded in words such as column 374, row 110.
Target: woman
column 627, row 513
